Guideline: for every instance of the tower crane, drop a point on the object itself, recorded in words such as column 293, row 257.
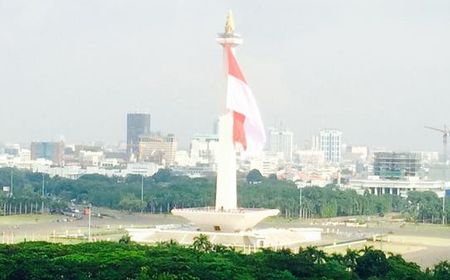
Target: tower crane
column 445, row 133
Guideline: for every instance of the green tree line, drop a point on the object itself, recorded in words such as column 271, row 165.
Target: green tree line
column 163, row 192
column 202, row 260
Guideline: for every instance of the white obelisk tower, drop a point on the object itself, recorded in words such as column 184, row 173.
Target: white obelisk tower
column 226, row 192
column 225, row 216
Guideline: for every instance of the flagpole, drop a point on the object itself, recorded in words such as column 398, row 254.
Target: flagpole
column 43, row 193
column 89, row 222
column 226, row 191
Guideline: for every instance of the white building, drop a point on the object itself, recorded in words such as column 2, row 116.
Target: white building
column 182, row 158
column 428, row 157
column 90, row 158
column 141, row 168
column 319, row 176
column 330, row 142
column 203, row 149
column 354, row 154
column 315, row 143
column 110, row 163
column 376, row 185
column 310, row 157
column 280, row 141
column 267, row 164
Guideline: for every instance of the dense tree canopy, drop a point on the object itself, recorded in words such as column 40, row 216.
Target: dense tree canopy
column 107, row 260
column 163, row 192
column 254, row 177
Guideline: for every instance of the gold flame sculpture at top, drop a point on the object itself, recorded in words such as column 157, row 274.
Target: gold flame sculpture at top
column 229, row 25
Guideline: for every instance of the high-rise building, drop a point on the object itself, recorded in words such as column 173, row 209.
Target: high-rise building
column 53, row 151
column 315, row 143
column 280, row 141
column 392, row 165
column 330, row 142
column 158, row 149
column 137, row 124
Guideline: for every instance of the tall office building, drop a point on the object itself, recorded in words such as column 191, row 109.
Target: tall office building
column 137, row 124
column 330, row 142
column 53, row 151
column 280, row 140
column 315, row 143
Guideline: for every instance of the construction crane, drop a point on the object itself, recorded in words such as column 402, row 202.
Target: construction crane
column 445, row 133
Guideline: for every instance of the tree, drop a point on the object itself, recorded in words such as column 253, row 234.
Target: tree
column 442, row 270
column 401, row 269
column 202, row 244
column 130, row 203
column 125, row 239
column 315, row 255
column 372, row 263
column 329, row 209
column 114, row 261
column 164, row 191
column 350, row 258
column 163, row 175
column 254, row 177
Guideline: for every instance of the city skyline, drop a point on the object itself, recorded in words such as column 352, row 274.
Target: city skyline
column 78, row 74
column 260, row 146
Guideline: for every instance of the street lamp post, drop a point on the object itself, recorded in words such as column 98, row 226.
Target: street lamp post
column 11, row 184
column 443, row 206
column 43, row 193
column 300, row 202
column 89, row 222
column 381, row 237
column 444, row 179
column 300, row 186
column 142, row 193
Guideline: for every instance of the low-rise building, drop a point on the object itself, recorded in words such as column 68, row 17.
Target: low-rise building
column 395, row 166
column 378, row 186
column 268, row 163
column 309, row 157
column 203, row 149
column 53, row 151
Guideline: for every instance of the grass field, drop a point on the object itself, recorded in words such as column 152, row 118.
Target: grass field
column 422, row 243
column 26, row 219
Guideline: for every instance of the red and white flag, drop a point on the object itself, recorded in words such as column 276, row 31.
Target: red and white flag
column 248, row 128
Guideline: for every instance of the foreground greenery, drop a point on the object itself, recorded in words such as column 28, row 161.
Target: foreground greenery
column 202, row 260
column 163, row 192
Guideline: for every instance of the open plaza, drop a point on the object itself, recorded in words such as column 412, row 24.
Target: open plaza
column 424, row 244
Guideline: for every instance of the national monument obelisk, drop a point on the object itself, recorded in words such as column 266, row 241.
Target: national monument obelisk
column 226, row 188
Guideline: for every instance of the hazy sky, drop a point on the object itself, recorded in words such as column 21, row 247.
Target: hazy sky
column 377, row 70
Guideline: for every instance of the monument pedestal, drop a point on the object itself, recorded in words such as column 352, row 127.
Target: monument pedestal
column 254, row 239
column 236, row 220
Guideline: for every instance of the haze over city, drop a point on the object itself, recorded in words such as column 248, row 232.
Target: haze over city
column 297, row 139
column 377, row 70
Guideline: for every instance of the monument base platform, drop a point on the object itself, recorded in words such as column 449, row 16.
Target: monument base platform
column 254, row 239
column 235, row 220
